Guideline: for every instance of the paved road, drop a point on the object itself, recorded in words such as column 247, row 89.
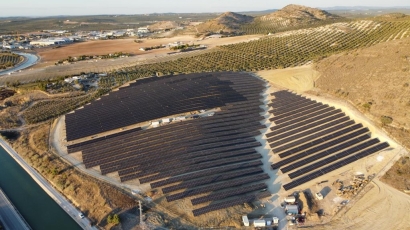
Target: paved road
column 29, row 60
column 54, row 194
column 10, row 218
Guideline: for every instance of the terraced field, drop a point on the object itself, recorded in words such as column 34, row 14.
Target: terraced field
column 265, row 26
column 283, row 50
column 8, row 60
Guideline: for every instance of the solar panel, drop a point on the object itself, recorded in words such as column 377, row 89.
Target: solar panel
column 335, row 166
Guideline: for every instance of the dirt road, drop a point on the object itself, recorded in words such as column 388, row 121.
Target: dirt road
column 383, row 207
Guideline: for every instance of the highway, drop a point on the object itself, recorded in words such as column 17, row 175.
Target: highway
column 54, row 194
column 29, row 60
column 9, row 216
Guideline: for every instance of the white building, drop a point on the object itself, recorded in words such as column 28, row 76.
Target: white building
column 50, row 41
column 143, row 30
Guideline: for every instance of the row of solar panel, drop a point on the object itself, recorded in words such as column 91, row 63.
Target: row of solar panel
column 317, row 138
column 220, row 117
column 188, row 161
column 300, row 123
column 335, row 166
column 322, row 145
column 202, row 173
column 334, row 148
column 110, row 106
column 204, row 165
column 306, row 117
column 163, row 171
column 174, row 127
column 212, row 179
column 217, row 186
column 77, row 130
column 333, row 158
column 305, row 126
column 136, row 154
column 168, row 145
column 301, row 134
column 278, row 119
column 229, row 193
column 230, row 203
column 180, row 132
column 78, row 123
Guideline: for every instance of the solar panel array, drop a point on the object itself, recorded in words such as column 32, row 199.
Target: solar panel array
column 209, row 160
column 148, row 100
column 314, row 139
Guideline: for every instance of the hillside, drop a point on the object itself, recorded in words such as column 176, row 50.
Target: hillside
column 292, row 14
column 163, row 25
column 376, row 80
column 227, row 22
column 290, row 17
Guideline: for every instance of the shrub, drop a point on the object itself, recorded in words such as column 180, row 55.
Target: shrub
column 386, row 120
column 113, row 219
column 367, row 106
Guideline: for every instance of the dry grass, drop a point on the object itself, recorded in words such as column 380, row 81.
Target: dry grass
column 376, row 81
column 399, row 175
column 94, row 198
column 9, row 117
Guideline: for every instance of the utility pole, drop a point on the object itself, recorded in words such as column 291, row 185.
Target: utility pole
column 142, row 224
column 139, row 203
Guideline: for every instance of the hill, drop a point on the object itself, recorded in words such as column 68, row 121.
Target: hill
column 227, row 22
column 163, row 25
column 375, row 79
column 297, row 14
column 393, row 16
column 290, row 17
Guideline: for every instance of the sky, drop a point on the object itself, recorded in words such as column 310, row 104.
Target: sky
column 92, row 7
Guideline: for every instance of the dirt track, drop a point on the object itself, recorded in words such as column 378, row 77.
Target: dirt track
column 383, row 207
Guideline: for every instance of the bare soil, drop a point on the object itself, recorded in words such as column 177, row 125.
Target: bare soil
column 298, row 79
column 101, row 47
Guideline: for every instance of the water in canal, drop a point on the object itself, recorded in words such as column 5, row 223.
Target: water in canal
column 37, row 208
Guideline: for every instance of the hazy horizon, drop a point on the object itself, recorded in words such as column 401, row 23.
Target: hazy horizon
column 94, row 7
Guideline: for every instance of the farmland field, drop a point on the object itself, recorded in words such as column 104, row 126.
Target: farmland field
column 9, row 60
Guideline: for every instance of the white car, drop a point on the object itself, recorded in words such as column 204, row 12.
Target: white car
column 81, row 215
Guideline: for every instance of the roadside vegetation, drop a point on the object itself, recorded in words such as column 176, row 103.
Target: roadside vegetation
column 91, row 57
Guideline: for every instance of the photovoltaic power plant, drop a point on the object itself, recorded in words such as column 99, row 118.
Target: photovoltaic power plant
column 211, row 159
column 313, row 139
